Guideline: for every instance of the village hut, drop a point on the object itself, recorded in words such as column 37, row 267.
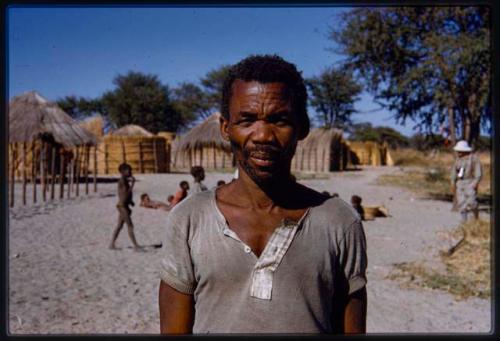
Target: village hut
column 95, row 125
column 43, row 142
column 321, row 151
column 203, row 146
column 141, row 149
column 370, row 153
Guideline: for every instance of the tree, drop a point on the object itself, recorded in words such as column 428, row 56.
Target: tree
column 141, row 99
column 366, row 132
column 190, row 102
column 79, row 107
column 333, row 94
column 430, row 64
column 212, row 86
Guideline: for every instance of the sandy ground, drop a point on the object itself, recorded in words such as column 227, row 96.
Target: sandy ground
column 63, row 279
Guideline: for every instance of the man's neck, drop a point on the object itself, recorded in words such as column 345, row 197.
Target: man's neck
column 277, row 193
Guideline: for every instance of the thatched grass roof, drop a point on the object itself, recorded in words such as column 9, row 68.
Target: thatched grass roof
column 94, row 124
column 31, row 115
column 132, row 130
column 206, row 134
column 321, row 138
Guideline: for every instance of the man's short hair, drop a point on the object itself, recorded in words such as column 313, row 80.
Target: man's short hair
column 269, row 69
column 122, row 167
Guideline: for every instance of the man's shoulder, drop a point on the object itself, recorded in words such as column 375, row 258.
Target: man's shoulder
column 335, row 212
column 193, row 204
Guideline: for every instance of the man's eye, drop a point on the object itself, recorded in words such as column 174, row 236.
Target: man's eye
column 245, row 121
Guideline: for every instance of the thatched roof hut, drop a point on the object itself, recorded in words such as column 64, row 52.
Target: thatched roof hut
column 32, row 116
column 131, row 130
column 203, row 145
column 321, row 151
column 94, row 124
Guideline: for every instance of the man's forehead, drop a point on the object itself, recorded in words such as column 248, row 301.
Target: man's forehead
column 255, row 88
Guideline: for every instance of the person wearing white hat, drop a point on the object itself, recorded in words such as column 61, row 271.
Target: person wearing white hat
column 465, row 176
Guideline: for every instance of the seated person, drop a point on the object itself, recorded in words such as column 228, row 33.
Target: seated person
column 148, row 203
column 180, row 194
column 169, row 199
column 356, row 203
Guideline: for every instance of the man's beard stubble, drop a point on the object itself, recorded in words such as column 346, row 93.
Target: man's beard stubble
column 278, row 171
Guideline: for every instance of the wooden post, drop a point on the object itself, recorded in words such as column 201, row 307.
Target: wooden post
column 106, row 166
column 78, row 166
column 95, row 168
column 70, row 174
column 86, row 170
column 124, row 157
column 24, row 173
column 155, row 156
column 141, row 165
column 53, row 172
column 12, row 170
column 34, row 163
column 42, row 170
column 62, row 171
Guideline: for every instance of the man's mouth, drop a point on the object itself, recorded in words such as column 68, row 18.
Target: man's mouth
column 263, row 159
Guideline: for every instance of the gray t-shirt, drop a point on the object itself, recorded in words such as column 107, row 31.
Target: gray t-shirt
column 290, row 288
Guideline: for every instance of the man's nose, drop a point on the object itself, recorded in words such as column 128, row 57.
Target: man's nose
column 263, row 132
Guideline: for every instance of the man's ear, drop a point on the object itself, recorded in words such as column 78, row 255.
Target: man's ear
column 224, row 125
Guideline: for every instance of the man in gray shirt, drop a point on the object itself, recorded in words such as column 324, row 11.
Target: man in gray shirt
column 263, row 254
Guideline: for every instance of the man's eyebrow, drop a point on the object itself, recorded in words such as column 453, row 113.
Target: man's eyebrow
column 247, row 113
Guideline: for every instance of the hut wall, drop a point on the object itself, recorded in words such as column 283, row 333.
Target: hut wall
column 113, row 150
column 210, row 158
column 30, row 147
column 369, row 152
column 320, row 158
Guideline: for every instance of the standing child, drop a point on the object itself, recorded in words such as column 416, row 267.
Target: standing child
column 124, row 201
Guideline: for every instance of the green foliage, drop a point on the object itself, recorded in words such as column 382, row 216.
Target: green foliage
column 190, row 102
column 79, row 107
column 333, row 94
column 428, row 64
column 366, row 132
column 141, row 99
column 212, row 86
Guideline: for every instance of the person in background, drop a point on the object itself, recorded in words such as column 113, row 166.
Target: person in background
column 180, row 194
column 356, row 203
column 148, row 203
column 125, row 188
column 198, row 174
column 465, row 176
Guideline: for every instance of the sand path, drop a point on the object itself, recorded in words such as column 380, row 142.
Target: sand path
column 63, row 279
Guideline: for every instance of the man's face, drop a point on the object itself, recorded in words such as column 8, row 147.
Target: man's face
column 262, row 128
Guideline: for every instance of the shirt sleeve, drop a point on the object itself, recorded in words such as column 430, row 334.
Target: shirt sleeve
column 477, row 170
column 353, row 258
column 176, row 268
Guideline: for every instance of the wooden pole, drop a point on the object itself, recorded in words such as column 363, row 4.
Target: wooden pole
column 86, row 170
column 34, row 164
column 141, row 164
column 70, row 174
column 95, row 168
column 53, row 172
column 124, row 157
column 24, row 173
column 106, row 166
column 78, row 167
column 155, row 156
column 42, row 170
column 12, row 169
column 62, row 171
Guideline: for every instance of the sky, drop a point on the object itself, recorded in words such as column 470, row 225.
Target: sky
column 62, row 51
